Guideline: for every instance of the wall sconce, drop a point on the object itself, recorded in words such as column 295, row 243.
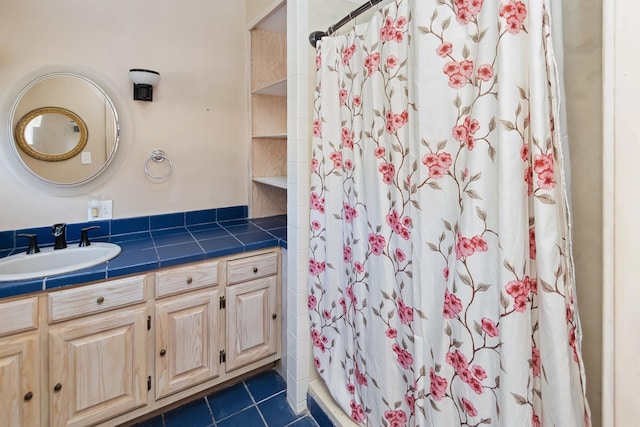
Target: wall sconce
column 143, row 81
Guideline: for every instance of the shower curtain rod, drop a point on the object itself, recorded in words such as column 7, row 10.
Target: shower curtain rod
column 317, row 35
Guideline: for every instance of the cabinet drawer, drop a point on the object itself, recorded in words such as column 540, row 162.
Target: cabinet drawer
column 188, row 278
column 254, row 267
column 96, row 298
column 18, row 315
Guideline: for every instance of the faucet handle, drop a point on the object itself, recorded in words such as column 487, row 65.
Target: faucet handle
column 33, row 243
column 84, row 235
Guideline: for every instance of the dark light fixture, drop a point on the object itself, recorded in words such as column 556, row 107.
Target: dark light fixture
column 143, row 82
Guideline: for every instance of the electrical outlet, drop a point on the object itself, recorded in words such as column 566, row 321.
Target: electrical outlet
column 100, row 209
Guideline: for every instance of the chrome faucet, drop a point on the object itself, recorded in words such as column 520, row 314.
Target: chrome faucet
column 59, row 232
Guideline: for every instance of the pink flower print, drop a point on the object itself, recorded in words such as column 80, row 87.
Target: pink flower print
column 452, row 305
column 466, row 375
column 317, row 128
column 444, row 160
column 350, row 213
column 313, row 301
column 514, row 12
column 401, row 22
column 360, row 378
column 535, row 361
column 457, row 81
column 410, row 400
column 464, row 247
column 460, row 133
column 343, row 304
column 535, row 421
column 546, row 180
column 405, row 359
column 464, row 133
column 445, row 273
column 388, row 171
column 458, row 361
column 532, row 243
column 377, row 243
column 543, row 163
column 438, row 386
column 532, row 284
column 317, row 202
column 451, row 68
column 392, row 61
column 469, row 408
column 476, row 386
column 396, row 418
column 348, row 164
column 405, row 313
column 528, row 179
column 391, row 333
column 485, row 72
column 346, row 253
column 343, row 94
column 380, row 151
column 315, row 225
column 400, row 256
column 572, row 343
column 314, row 165
column 357, row 413
column 466, row 68
column 319, row 340
column 444, row 49
column 396, row 121
column 316, row 267
column 326, row 314
column 347, row 53
column 316, row 362
column 358, row 267
column 336, row 157
column 524, row 152
column 479, row 244
column 352, row 296
column 371, row 62
column 357, row 101
column 351, row 388
column 520, row 304
column 489, row 327
column 430, row 160
column 479, row 372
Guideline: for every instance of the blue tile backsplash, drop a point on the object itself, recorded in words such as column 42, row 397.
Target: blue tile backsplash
column 152, row 242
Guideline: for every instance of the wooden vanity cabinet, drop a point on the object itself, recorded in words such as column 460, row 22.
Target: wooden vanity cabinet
column 98, row 359
column 188, row 331
column 20, row 363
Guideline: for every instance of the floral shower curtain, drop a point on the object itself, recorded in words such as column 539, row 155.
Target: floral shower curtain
column 441, row 284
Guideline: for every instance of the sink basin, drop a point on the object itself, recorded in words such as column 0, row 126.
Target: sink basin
column 48, row 262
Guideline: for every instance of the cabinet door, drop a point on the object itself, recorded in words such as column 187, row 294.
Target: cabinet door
column 98, row 367
column 20, row 381
column 187, row 341
column 252, row 321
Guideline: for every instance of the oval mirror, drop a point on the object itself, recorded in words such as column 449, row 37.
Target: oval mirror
column 64, row 129
column 52, row 134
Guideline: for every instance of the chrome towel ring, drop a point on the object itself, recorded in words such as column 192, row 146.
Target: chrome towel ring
column 158, row 156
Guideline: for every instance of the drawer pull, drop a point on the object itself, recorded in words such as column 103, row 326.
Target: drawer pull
column 273, row 316
column 189, row 280
column 255, row 270
column 57, row 387
column 28, row 396
column 163, row 352
column 100, row 300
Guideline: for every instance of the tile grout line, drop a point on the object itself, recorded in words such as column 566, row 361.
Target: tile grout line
column 255, row 404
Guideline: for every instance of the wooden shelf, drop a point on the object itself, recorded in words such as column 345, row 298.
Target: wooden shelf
column 278, row 88
column 274, row 181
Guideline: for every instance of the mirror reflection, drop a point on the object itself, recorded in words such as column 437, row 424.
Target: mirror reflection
column 65, row 129
column 52, row 134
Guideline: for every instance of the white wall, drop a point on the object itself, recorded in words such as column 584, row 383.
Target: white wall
column 199, row 112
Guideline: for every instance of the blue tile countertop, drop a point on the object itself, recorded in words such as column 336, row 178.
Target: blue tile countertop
column 152, row 242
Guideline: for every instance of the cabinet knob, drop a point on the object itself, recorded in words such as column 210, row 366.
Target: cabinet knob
column 274, row 315
column 100, row 300
column 163, row 352
column 255, row 270
column 57, row 387
column 189, row 280
column 28, row 396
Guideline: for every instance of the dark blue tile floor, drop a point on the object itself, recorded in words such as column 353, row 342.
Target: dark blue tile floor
column 257, row 401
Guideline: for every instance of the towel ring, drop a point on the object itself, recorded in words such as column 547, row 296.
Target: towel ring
column 158, row 156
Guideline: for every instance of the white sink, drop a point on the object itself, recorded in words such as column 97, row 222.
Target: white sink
column 48, row 261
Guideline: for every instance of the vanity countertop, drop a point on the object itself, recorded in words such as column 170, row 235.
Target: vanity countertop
column 160, row 248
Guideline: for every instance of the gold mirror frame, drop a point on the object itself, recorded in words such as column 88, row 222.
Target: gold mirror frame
column 24, row 146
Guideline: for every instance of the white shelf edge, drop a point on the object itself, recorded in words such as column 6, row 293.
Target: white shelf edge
column 278, row 88
column 270, row 136
column 274, row 181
